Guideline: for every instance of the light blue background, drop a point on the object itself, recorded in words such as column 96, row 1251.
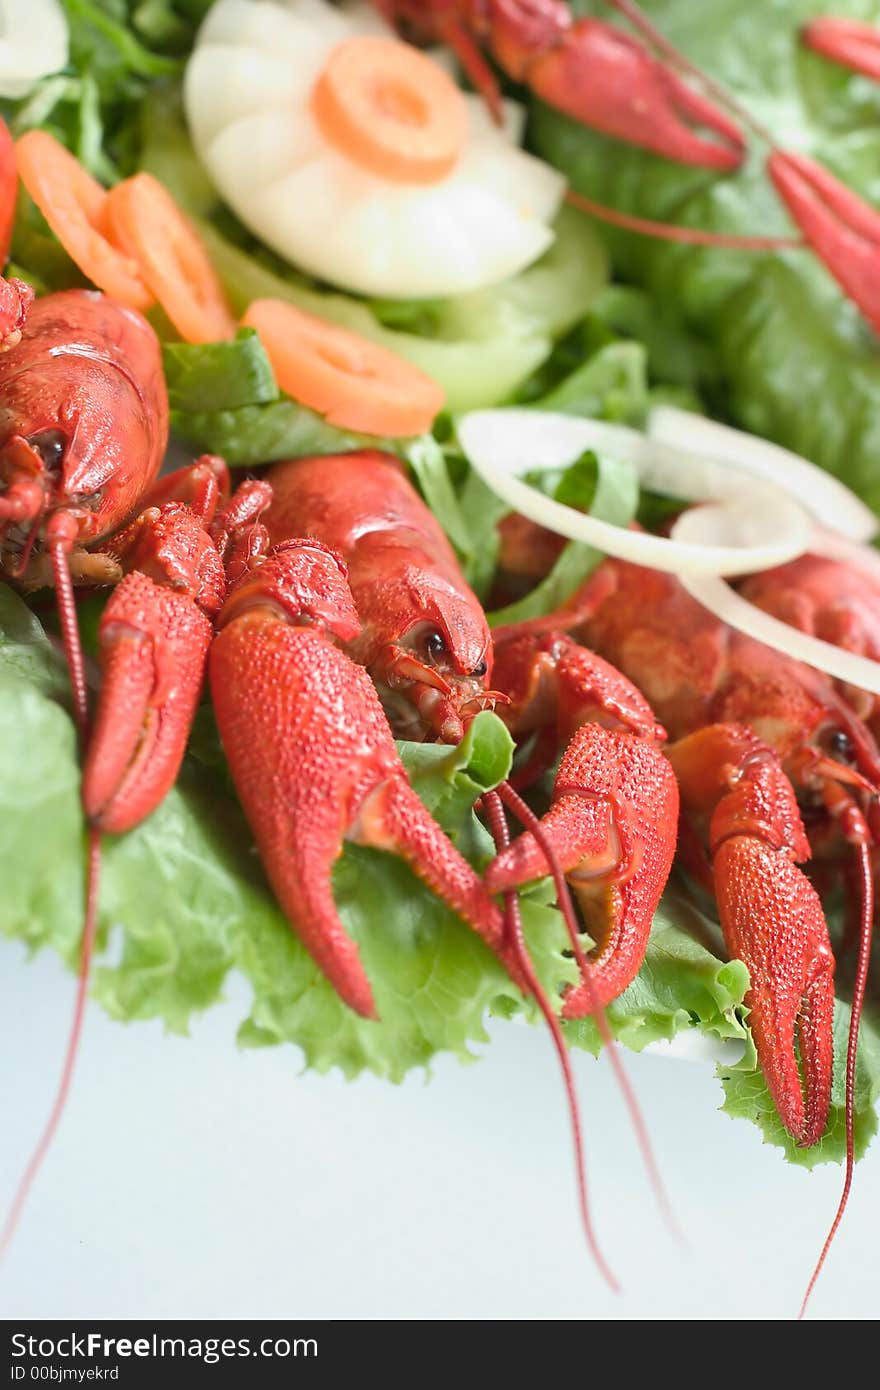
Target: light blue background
column 194, row 1179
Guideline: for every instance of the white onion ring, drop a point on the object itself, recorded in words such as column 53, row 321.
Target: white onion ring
column 770, row 526
column 716, row 595
column 829, row 500
column 832, row 546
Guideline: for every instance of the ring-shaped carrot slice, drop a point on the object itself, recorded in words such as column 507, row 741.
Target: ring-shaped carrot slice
column 390, row 109
column 354, row 383
column 74, row 205
column 143, row 219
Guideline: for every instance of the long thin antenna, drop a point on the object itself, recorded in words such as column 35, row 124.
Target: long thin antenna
column 530, row 822
column 690, row 236
column 42, row 1148
column 501, row 836
column 70, row 637
column 59, row 547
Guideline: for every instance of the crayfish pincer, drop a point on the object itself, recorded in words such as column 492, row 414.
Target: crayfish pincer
column 591, row 70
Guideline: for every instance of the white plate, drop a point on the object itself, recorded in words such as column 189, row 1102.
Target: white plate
column 191, row 1179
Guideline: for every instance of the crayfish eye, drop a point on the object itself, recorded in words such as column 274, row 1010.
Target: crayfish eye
column 840, row 744
column 480, row 669
column 435, row 646
column 50, row 445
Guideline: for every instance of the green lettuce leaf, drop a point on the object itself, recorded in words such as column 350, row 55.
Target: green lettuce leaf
column 119, row 50
column 219, row 376
column 251, row 435
column 779, row 329
column 614, row 498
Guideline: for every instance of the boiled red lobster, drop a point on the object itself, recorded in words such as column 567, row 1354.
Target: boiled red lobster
column 426, row 643
column 337, row 558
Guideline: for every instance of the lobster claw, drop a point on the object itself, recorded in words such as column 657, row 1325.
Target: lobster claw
column 605, row 79
column 842, row 229
column 612, row 826
column 314, row 760
column 154, row 638
column 850, row 42
column 770, row 914
column 773, row 921
column 153, row 646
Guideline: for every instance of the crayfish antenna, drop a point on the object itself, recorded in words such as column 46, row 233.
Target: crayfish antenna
column 864, row 960
column 60, row 534
column 513, row 922
column 530, row 822
column 44, row 1143
column 688, row 236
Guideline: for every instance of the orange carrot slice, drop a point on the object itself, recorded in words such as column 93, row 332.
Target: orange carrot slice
column 74, row 205
column 390, row 109
column 8, row 191
column 143, row 219
column 354, row 383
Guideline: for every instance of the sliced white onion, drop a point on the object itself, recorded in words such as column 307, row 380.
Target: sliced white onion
column 758, row 527
column 33, row 43
column 827, row 499
column 832, row 546
column 716, row 595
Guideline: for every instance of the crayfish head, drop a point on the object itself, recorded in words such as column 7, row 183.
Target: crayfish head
column 303, row 582
column 31, row 490
column 430, row 681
